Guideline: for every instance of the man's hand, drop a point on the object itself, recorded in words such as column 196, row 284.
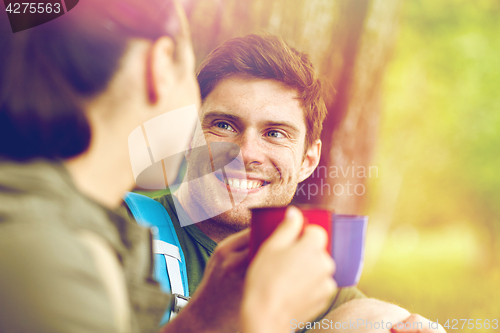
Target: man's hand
column 291, row 277
column 414, row 322
column 215, row 306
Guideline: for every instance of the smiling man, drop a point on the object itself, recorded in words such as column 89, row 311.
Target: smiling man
column 266, row 120
column 261, row 116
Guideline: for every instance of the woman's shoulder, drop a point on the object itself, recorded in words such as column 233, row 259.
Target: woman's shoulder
column 49, row 277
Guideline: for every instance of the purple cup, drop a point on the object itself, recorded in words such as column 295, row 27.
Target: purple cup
column 348, row 247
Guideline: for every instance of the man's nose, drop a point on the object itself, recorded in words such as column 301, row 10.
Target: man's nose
column 251, row 148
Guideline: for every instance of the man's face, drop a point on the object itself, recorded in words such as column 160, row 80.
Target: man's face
column 266, row 120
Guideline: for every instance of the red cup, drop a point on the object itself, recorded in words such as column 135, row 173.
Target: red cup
column 266, row 220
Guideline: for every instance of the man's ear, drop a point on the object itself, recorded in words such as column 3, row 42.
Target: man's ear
column 160, row 68
column 311, row 160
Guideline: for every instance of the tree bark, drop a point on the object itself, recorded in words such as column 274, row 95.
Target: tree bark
column 351, row 128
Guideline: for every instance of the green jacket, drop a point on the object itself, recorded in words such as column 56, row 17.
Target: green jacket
column 50, row 279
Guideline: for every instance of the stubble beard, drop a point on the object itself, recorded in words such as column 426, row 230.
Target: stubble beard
column 239, row 217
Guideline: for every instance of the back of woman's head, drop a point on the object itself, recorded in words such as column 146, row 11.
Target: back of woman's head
column 47, row 73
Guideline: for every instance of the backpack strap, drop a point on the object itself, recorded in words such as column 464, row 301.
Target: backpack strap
column 170, row 264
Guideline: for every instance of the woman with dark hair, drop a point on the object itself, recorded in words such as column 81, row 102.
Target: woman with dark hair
column 71, row 92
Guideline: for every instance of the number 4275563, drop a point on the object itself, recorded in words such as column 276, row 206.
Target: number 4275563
column 33, row 8
column 471, row 324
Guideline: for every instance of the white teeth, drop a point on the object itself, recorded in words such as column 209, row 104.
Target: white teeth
column 243, row 184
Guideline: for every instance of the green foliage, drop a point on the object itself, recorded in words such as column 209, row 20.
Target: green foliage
column 441, row 114
column 433, row 281
column 440, row 136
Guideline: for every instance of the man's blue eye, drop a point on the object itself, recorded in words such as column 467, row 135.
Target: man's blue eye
column 224, row 126
column 275, row 134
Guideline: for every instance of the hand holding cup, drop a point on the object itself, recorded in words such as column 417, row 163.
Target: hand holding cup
column 290, row 276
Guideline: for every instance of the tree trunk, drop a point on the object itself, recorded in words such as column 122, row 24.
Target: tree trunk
column 351, row 128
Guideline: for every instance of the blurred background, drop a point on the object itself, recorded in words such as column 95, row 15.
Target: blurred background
column 434, row 242
column 413, row 96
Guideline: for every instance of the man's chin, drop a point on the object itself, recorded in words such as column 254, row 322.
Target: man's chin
column 238, row 218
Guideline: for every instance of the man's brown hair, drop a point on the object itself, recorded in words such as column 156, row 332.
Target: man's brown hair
column 268, row 57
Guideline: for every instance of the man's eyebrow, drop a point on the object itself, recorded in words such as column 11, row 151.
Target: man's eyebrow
column 219, row 114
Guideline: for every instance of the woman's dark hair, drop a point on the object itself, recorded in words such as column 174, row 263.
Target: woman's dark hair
column 47, row 72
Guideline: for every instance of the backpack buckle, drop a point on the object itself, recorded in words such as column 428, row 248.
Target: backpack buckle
column 179, row 302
